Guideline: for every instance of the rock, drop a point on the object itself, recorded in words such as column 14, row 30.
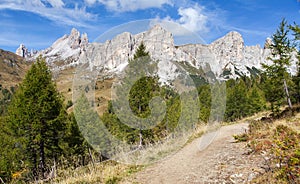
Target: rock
column 224, row 58
column 251, row 176
column 22, row 51
column 268, row 43
column 74, row 39
column 228, row 49
column 84, row 41
column 67, row 49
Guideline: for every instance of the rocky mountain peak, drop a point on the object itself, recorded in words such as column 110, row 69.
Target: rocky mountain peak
column 84, row 41
column 74, row 39
column 22, row 51
column 229, row 49
column 232, row 38
column 226, row 56
column 158, row 30
column 67, row 49
column 234, row 35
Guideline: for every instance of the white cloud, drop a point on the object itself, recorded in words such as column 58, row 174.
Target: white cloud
column 191, row 19
column 56, row 3
column 90, row 2
column 130, row 5
column 57, row 12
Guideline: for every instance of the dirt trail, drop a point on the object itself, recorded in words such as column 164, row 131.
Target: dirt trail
column 223, row 161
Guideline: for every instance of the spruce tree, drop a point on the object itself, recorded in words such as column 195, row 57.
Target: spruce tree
column 296, row 79
column 137, row 89
column 141, row 52
column 237, row 101
column 276, row 73
column 36, row 119
column 256, row 100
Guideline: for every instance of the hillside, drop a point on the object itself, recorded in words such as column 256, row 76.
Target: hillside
column 12, row 68
column 12, row 71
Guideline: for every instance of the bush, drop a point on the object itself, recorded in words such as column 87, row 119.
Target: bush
column 282, row 144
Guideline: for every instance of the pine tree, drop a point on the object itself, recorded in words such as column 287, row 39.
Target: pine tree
column 296, row 79
column 91, row 127
column 205, row 102
column 36, row 119
column 237, row 101
column 277, row 76
column 256, row 100
column 142, row 86
column 141, row 52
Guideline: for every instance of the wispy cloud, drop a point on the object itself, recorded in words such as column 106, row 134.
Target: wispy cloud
column 248, row 31
column 54, row 10
column 130, row 5
column 56, row 3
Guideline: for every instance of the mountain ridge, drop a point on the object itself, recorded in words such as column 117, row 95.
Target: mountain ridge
column 226, row 57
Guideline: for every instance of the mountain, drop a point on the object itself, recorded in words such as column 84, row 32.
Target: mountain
column 65, row 51
column 12, row 69
column 227, row 57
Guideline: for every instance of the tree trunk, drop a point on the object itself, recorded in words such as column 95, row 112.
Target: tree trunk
column 141, row 139
column 42, row 158
column 287, row 94
column 34, row 162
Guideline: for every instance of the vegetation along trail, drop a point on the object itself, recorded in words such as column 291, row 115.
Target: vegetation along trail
column 223, row 160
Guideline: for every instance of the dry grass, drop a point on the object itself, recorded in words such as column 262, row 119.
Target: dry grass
column 12, row 68
column 64, row 82
column 104, row 172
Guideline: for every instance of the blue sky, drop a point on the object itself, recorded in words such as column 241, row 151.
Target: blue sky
column 38, row 23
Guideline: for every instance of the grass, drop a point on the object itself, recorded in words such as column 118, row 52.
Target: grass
column 64, row 82
column 12, row 69
column 105, row 172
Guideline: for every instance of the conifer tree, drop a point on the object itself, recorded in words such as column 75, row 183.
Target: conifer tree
column 36, row 119
column 276, row 88
column 256, row 100
column 296, row 79
column 237, row 101
column 141, row 52
column 205, row 102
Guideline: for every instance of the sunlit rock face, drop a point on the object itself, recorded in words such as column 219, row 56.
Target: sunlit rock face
column 225, row 58
column 22, row 51
column 65, row 51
